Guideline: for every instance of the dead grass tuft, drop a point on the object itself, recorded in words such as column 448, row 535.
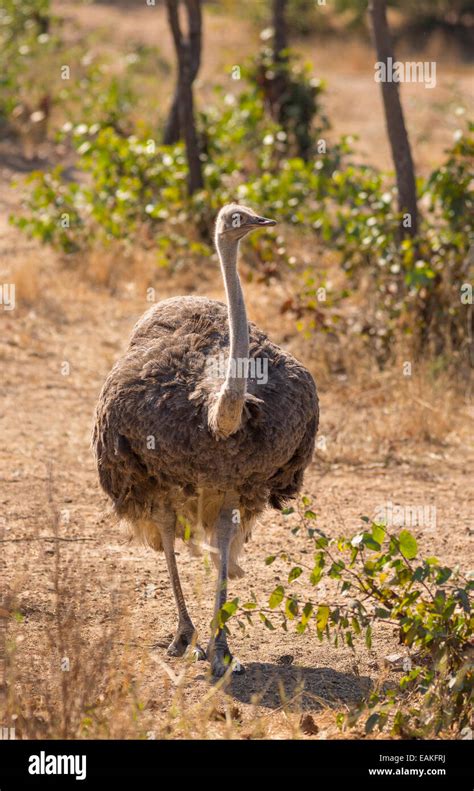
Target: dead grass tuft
column 27, row 283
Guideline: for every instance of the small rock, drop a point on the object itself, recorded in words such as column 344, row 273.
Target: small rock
column 397, row 662
column 286, row 659
column 308, row 725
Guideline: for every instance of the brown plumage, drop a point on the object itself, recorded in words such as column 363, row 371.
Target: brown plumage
column 164, row 454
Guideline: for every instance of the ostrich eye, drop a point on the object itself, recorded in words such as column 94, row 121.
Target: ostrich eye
column 236, row 220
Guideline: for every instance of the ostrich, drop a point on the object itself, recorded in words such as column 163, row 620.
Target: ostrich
column 202, row 424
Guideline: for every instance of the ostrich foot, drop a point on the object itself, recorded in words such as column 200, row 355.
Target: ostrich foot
column 223, row 662
column 196, row 653
column 184, row 642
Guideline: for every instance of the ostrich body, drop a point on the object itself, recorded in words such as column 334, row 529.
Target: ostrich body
column 204, row 422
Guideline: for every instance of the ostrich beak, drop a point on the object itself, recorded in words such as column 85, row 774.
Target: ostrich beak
column 263, row 222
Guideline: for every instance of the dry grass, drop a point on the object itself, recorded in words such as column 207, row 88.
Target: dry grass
column 27, row 284
column 81, row 681
column 70, row 686
column 393, row 418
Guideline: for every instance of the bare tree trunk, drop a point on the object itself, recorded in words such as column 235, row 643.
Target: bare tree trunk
column 280, row 39
column 181, row 122
column 186, row 119
column 173, row 130
column 395, row 123
column 280, row 44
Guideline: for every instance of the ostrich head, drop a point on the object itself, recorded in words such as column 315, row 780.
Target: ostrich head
column 234, row 222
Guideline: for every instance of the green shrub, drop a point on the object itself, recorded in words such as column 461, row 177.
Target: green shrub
column 291, row 95
column 129, row 182
column 25, row 39
column 382, row 579
column 419, row 281
column 131, row 187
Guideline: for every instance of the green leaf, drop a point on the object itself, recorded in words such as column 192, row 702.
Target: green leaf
column 368, row 637
column 408, row 545
column 227, row 611
column 322, row 542
column 443, row 575
column 335, row 570
column 269, row 560
column 231, row 606
column 322, row 616
column 316, row 575
column 267, row 623
column 291, row 608
column 295, row 572
column 371, row 722
column 370, row 542
column 463, row 599
column 249, row 605
column 378, row 533
column 355, row 625
column 276, row 597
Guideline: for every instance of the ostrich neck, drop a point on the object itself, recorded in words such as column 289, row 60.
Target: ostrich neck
column 226, row 416
column 238, row 326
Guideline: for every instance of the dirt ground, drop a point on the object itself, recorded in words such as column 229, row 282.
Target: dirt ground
column 56, row 348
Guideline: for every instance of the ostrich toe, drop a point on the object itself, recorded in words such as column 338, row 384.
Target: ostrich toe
column 184, row 641
column 224, row 662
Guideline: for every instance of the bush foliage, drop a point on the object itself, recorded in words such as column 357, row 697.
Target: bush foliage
column 381, row 579
column 129, row 185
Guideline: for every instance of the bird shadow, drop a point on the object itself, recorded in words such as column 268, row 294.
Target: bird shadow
column 11, row 157
column 302, row 688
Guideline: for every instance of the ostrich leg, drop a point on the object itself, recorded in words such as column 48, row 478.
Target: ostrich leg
column 218, row 649
column 186, row 633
